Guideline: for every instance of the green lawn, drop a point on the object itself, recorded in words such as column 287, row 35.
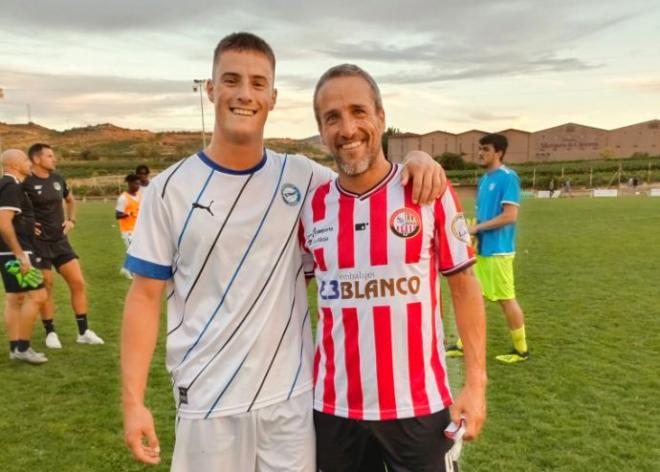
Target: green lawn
column 587, row 279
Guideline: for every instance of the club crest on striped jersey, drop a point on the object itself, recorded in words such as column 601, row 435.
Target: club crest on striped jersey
column 57, row 186
column 459, row 228
column 290, row 194
column 405, row 223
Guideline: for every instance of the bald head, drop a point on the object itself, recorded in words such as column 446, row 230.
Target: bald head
column 15, row 162
column 11, row 156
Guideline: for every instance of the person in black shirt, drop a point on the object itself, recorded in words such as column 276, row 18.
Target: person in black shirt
column 47, row 190
column 17, row 230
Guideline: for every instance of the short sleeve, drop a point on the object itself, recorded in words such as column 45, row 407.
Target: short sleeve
column 452, row 236
column 152, row 248
column 121, row 203
column 65, row 187
column 511, row 193
column 10, row 197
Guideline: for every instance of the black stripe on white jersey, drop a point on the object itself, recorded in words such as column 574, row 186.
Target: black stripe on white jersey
column 261, row 292
column 208, row 254
column 167, row 181
column 277, row 349
column 302, row 346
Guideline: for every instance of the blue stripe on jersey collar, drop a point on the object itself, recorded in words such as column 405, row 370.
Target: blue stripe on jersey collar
column 214, row 165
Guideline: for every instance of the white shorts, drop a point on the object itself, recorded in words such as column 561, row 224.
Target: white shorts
column 127, row 236
column 274, row 438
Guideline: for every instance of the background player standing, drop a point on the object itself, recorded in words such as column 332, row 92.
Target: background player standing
column 142, row 171
column 23, row 283
column 126, row 212
column 498, row 201
column 48, row 191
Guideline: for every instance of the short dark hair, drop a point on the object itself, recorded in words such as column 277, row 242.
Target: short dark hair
column 130, row 178
column 347, row 70
column 36, row 148
column 142, row 169
column 499, row 142
column 242, row 42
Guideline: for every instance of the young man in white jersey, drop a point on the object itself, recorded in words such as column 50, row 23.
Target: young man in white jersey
column 218, row 233
column 379, row 366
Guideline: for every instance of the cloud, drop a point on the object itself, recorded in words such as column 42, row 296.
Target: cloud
column 71, row 98
column 505, row 18
column 638, row 84
column 90, row 16
column 485, row 70
column 487, row 116
column 77, row 84
column 419, row 42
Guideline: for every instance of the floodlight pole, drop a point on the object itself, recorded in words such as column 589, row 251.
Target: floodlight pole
column 2, row 95
column 197, row 86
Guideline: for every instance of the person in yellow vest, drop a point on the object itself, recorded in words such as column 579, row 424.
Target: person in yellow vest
column 126, row 212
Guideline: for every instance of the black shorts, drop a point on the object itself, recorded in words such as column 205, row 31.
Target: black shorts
column 53, row 253
column 418, row 443
column 9, row 280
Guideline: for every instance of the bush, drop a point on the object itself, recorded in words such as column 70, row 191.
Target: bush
column 453, row 161
column 89, row 155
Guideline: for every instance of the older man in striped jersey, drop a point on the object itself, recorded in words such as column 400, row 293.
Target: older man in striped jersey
column 379, row 368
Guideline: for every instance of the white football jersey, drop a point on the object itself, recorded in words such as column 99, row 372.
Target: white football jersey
column 239, row 333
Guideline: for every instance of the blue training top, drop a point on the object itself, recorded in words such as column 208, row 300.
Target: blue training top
column 495, row 189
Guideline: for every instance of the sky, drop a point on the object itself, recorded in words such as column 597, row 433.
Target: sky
column 440, row 64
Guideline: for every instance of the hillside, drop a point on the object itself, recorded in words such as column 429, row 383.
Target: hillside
column 109, row 142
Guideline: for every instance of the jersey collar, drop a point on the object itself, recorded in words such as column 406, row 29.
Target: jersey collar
column 13, row 177
column 214, row 165
column 382, row 183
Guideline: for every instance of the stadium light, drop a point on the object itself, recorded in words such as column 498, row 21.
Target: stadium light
column 197, row 86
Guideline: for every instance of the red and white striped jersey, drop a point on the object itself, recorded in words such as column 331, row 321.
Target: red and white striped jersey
column 376, row 257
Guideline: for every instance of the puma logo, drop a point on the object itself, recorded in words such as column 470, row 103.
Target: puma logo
column 204, row 207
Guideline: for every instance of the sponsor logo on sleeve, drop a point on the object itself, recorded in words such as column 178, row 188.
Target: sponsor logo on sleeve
column 459, row 228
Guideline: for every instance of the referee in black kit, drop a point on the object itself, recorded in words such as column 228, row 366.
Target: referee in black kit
column 48, row 190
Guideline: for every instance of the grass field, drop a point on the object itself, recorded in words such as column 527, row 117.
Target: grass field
column 587, row 278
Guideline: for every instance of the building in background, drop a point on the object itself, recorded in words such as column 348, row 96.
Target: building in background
column 567, row 142
column 399, row 147
column 467, row 144
column 518, row 150
column 438, row 142
column 639, row 138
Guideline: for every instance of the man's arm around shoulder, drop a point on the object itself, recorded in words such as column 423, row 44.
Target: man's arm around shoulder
column 139, row 334
column 471, row 322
